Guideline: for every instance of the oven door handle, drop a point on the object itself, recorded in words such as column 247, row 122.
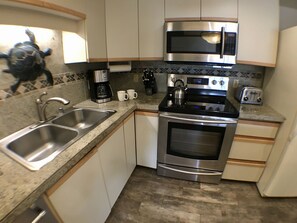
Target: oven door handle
column 200, row 120
column 190, row 172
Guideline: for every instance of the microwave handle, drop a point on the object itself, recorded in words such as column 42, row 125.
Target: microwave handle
column 222, row 42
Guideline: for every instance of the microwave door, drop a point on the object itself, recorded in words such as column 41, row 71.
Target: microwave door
column 193, row 43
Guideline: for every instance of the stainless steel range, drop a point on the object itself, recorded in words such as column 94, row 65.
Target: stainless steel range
column 196, row 128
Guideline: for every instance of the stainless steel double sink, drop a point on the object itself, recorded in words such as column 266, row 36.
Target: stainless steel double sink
column 36, row 145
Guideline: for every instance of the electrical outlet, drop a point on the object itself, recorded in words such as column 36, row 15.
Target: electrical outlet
column 235, row 83
column 135, row 78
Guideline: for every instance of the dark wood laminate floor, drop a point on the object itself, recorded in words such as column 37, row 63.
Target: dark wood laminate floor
column 151, row 198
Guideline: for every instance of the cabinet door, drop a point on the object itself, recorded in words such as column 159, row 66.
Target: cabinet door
column 251, row 148
column 215, row 10
column 129, row 132
column 95, row 31
column 151, row 21
column 258, row 32
column 146, row 138
column 243, row 170
column 77, row 5
column 122, row 29
column 182, row 9
column 80, row 196
column 113, row 162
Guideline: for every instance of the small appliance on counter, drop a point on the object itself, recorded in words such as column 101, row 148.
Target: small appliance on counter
column 149, row 82
column 249, row 95
column 98, row 83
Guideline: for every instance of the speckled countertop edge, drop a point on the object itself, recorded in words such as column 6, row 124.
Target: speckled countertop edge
column 21, row 187
column 257, row 112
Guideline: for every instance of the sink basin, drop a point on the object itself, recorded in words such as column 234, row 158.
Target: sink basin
column 35, row 147
column 83, row 118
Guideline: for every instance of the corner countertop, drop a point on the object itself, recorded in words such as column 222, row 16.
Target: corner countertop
column 257, row 112
column 20, row 187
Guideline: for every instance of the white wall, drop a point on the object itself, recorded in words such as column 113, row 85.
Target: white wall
column 288, row 13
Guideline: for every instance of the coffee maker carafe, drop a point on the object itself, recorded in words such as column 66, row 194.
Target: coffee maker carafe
column 100, row 89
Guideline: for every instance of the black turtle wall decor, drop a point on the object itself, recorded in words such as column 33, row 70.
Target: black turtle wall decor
column 26, row 62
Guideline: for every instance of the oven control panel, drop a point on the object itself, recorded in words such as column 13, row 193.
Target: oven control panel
column 198, row 81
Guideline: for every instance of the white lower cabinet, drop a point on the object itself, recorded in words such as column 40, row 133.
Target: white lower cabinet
column 250, row 150
column 129, row 133
column 146, row 138
column 87, row 192
column 80, row 195
column 113, row 162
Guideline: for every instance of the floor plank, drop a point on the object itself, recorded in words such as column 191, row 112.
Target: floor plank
column 150, row 198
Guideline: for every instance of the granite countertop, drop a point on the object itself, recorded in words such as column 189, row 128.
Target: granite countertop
column 20, row 187
column 257, row 112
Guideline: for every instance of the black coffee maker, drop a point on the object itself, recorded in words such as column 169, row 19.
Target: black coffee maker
column 100, row 89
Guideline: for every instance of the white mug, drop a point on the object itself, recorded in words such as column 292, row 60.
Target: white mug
column 132, row 94
column 122, row 96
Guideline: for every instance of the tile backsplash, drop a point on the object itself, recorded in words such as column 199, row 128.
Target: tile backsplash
column 244, row 74
column 19, row 110
column 25, row 87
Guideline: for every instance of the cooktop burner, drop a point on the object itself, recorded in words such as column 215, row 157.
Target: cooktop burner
column 215, row 106
column 206, row 96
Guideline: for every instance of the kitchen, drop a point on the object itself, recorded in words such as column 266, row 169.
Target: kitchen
column 26, row 114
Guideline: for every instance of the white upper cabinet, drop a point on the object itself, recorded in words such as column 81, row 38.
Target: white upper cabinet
column 151, row 21
column 95, row 31
column 258, row 32
column 219, row 10
column 122, row 29
column 76, row 5
column 182, row 9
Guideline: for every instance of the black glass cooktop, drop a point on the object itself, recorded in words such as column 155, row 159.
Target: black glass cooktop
column 200, row 105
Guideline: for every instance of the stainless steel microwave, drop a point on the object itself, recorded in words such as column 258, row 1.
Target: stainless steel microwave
column 200, row 41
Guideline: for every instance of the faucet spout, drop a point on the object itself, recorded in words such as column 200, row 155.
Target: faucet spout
column 42, row 106
column 58, row 99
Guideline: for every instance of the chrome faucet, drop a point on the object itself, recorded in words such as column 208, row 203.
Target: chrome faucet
column 42, row 105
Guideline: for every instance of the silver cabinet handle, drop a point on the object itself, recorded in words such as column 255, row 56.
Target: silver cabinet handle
column 200, row 120
column 222, row 42
column 39, row 216
column 192, row 173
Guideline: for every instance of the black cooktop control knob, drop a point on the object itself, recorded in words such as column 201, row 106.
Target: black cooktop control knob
column 245, row 98
column 222, row 82
column 259, row 99
column 214, row 82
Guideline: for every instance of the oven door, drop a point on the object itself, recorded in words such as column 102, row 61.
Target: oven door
column 192, row 141
column 212, row 42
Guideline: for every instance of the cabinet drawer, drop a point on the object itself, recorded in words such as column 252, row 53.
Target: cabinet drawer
column 258, row 129
column 243, row 170
column 250, row 148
